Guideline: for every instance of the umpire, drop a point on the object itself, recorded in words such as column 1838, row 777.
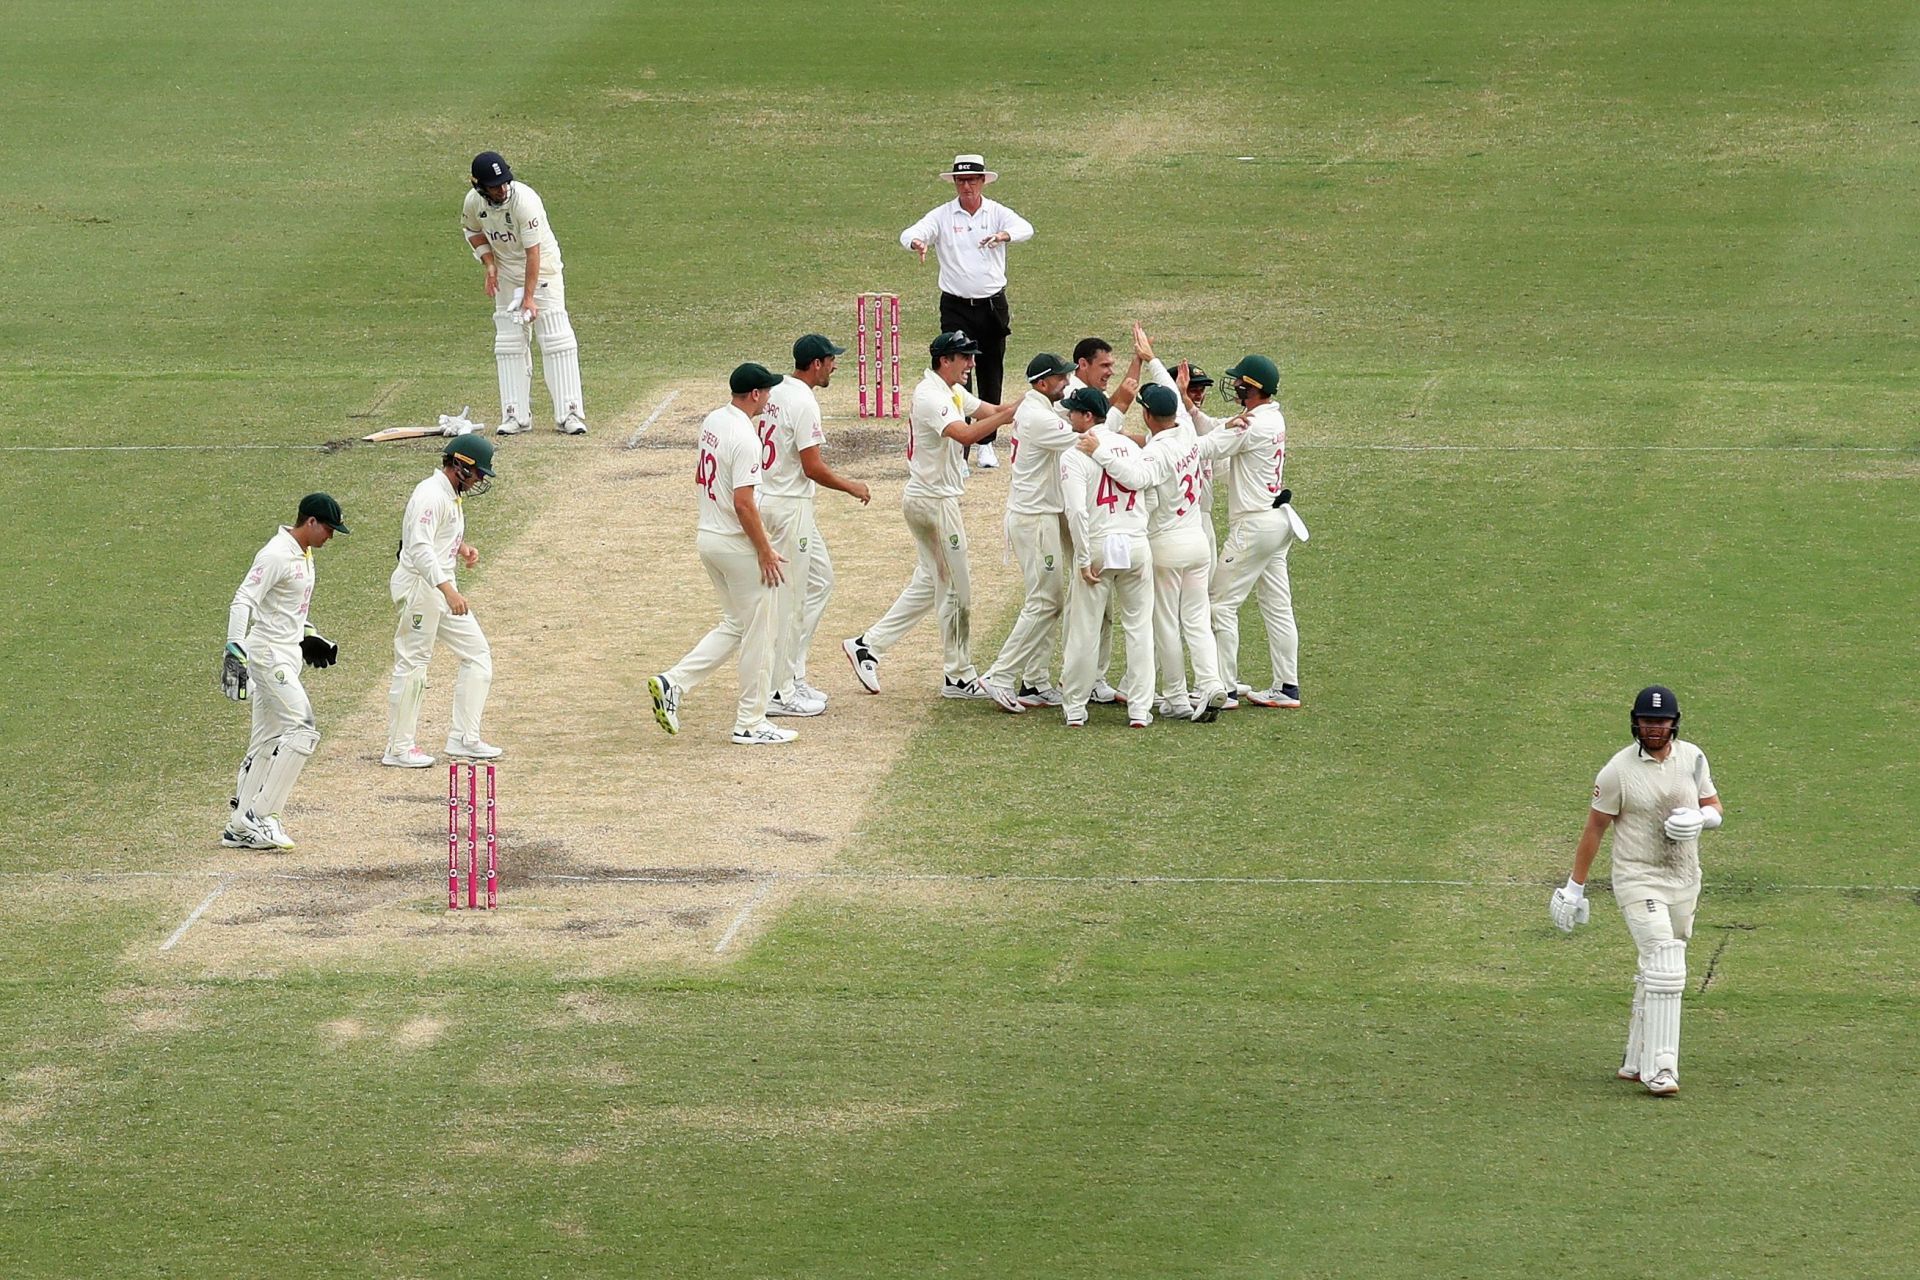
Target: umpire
column 969, row 236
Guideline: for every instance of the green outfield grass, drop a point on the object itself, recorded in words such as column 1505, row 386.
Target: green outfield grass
column 1598, row 336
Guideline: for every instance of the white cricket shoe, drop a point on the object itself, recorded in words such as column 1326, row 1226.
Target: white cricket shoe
column 1664, row 1083
column 666, row 703
column 1207, row 709
column 1103, row 693
column 1173, row 707
column 241, row 834
column 1031, row 696
column 1076, row 722
column 866, row 666
column 988, row 458
column 1281, row 695
column 512, row 428
column 269, row 826
column 1139, row 721
column 793, row 705
column 411, row 758
column 763, row 735
column 965, row 690
column 575, row 424
column 473, row 749
column 1627, row 1071
column 810, row 693
column 1003, row 697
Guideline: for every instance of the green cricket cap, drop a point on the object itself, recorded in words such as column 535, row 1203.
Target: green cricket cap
column 752, row 377
column 813, row 347
column 1159, row 400
column 321, row 507
column 1088, row 400
column 1046, row 365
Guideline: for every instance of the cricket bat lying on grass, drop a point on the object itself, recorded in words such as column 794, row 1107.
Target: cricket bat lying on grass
column 451, row 424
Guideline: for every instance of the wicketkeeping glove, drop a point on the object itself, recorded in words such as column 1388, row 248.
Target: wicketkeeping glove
column 1684, row 824
column 1567, row 910
column 233, row 672
column 317, row 650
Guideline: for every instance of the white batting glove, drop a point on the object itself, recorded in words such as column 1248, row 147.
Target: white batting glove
column 1684, row 824
column 1569, row 906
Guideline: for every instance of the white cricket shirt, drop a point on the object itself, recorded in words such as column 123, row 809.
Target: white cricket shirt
column 1640, row 792
column 1039, row 437
column 1167, row 471
column 791, row 424
column 937, row 463
column 510, row 227
column 1256, row 456
column 430, row 532
column 730, row 454
column 1097, row 505
column 275, row 595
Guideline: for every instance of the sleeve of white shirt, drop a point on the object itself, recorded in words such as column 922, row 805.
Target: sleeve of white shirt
column 1607, row 790
column 533, row 215
column 422, row 519
column 742, row 463
column 1222, row 444
column 1073, row 496
column 1703, row 777
column 1050, row 436
column 807, row 431
column 1016, row 227
column 922, row 230
column 1204, row 423
column 970, row 400
column 260, row 579
column 952, row 415
column 469, row 220
column 1138, row 470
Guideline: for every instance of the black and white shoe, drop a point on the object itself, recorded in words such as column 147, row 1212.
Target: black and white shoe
column 666, row 703
column 1103, row 693
column 866, row 667
column 966, row 690
column 1033, row 697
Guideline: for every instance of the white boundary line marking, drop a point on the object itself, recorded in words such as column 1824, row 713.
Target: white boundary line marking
column 658, row 409
column 187, row 924
column 693, row 877
column 148, row 448
column 739, row 920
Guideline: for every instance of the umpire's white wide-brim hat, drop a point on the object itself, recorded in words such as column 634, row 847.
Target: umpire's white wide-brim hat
column 969, row 167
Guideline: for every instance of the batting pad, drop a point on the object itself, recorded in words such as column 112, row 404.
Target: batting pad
column 560, row 362
column 513, row 355
column 1665, row 980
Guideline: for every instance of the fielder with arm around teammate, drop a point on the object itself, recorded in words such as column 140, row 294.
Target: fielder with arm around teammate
column 1112, row 564
column 792, row 467
column 506, row 227
column 740, row 559
column 938, row 432
column 433, row 536
column 269, row 637
column 1658, row 796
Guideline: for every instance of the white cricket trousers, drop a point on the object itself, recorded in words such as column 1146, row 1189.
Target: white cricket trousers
column 800, row 601
column 1024, row 659
column 1661, row 922
column 284, row 733
column 424, row 618
column 746, row 625
column 1129, row 594
column 941, row 577
column 1182, row 568
column 559, row 352
column 1254, row 556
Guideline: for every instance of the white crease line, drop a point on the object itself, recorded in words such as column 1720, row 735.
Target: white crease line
column 745, row 911
column 147, row 448
column 658, row 409
column 187, row 924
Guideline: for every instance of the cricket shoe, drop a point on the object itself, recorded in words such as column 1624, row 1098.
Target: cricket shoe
column 411, row 758
column 1004, row 698
column 270, row 827
column 810, row 693
column 1139, row 722
column 241, row 834
column 512, row 428
column 1286, row 695
column 1103, row 693
column 473, row 749
column 866, row 667
column 666, row 703
column 1206, row 710
column 1664, row 1083
column 763, row 735
column 793, row 704
column 575, row 424
column 1076, row 722
column 1627, row 1071
column 1173, row 707
column 965, row 690
column 1035, row 697
column 988, row 458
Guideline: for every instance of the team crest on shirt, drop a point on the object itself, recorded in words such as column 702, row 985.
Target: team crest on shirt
column 953, row 540
column 279, row 675
column 803, row 544
column 1049, row 561
column 418, row 620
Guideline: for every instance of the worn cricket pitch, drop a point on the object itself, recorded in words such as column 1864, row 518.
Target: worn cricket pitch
column 620, row 848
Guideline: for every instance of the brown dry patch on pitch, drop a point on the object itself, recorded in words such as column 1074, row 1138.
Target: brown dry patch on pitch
column 620, row 848
column 156, row 1010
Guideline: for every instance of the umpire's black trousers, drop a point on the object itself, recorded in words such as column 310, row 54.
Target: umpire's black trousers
column 987, row 321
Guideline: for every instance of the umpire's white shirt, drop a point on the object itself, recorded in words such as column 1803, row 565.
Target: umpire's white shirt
column 968, row 270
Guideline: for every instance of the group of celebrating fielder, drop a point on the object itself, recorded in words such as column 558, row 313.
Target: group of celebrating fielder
column 1112, row 526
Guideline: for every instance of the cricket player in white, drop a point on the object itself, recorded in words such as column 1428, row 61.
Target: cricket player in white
column 1259, row 533
column 1168, row 472
column 506, row 227
column 740, row 559
column 937, row 435
column 1658, row 796
column 433, row 535
column 791, row 466
column 1113, row 565
column 269, row 636
column 1036, row 531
